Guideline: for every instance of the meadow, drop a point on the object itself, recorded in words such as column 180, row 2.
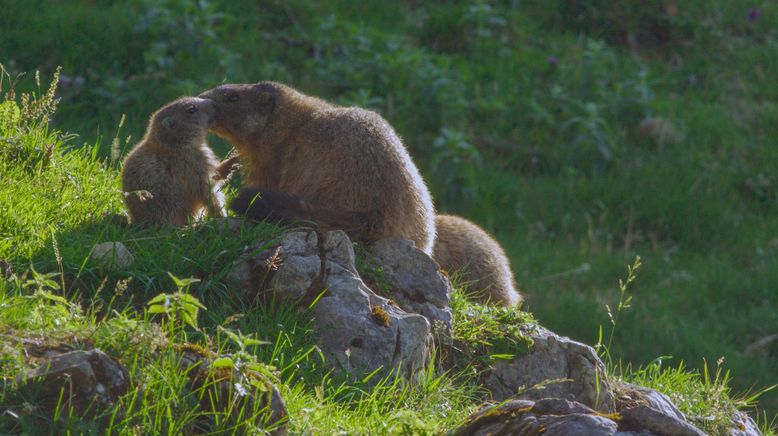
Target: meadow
column 581, row 134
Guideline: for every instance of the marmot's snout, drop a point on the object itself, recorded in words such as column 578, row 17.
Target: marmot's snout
column 210, row 106
column 209, row 109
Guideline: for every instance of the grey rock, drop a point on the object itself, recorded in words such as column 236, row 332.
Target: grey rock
column 743, row 425
column 219, row 392
column 556, row 416
column 228, row 224
column 112, row 255
column 260, row 269
column 352, row 333
column 553, row 358
column 419, row 285
column 340, row 250
column 408, row 269
column 358, row 330
column 548, row 416
column 558, row 406
column 645, row 417
column 577, row 424
column 441, row 319
column 86, row 379
column 648, row 409
column 632, row 395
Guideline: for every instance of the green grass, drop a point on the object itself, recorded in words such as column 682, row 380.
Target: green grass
column 524, row 117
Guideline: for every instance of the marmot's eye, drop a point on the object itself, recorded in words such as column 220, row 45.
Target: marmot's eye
column 232, row 98
column 191, row 109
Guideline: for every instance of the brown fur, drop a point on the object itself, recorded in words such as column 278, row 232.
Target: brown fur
column 346, row 166
column 168, row 177
column 461, row 246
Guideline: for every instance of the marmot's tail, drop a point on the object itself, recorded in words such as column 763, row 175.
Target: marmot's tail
column 284, row 208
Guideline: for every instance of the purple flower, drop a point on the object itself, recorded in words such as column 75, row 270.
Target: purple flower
column 553, row 61
column 754, row 14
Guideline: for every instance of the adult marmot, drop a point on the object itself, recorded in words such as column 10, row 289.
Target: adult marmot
column 342, row 167
column 461, row 246
column 170, row 175
column 345, row 168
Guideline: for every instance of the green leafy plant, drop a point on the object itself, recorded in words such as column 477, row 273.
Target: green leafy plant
column 181, row 30
column 455, row 163
column 178, row 307
column 244, row 365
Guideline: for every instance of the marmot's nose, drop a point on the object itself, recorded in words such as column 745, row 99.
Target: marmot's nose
column 208, row 104
column 209, row 108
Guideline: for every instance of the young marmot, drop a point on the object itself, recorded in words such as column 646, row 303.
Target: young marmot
column 172, row 174
column 461, row 246
column 341, row 167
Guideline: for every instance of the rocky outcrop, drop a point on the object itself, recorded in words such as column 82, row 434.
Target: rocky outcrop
column 558, row 387
column 648, row 409
column 358, row 330
column 573, row 369
column 547, row 416
column 555, row 416
column 238, row 390
column 87, row 380
column 417, row 283
column 743, row 425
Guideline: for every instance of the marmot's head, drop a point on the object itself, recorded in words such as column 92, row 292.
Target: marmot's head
column 244, row 110
column 182, row 123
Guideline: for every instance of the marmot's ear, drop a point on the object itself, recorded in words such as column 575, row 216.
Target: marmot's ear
column 168, row 123
column 265, row 97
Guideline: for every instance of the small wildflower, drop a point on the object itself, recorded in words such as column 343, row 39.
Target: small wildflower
column 240, row 390
column 754, row 14
column 553, row 61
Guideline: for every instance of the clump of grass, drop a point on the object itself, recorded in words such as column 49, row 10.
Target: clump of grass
column 625, row 301
column 25, row 135
column 705, row 398
column 482, row 334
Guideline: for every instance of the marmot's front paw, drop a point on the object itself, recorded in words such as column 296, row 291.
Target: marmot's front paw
column 227, row 167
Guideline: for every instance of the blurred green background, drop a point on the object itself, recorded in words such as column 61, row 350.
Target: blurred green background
column 581, row 133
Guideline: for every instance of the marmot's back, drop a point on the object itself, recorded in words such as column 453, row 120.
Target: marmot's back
column 360, row 164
